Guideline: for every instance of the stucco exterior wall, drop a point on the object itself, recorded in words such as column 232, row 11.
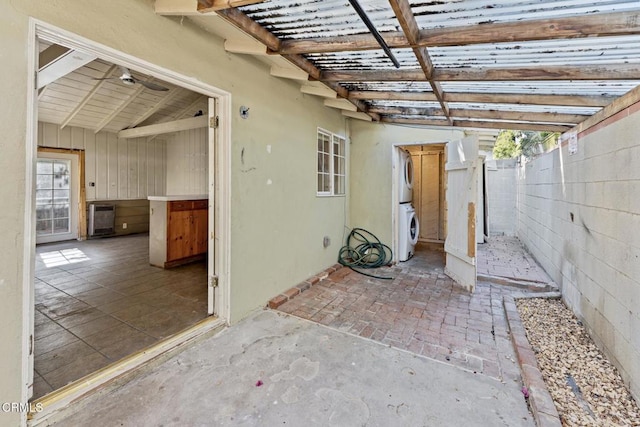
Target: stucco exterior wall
column 277, row 221
column 502, row 189
column 579, row 215
column 371, row 172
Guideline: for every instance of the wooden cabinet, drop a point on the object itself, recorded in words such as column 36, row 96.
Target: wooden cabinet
column 178, row 232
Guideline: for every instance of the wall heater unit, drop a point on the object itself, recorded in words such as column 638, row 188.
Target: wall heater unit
column 102, row 220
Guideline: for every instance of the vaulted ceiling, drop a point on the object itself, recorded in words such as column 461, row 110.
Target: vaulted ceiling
column 87, row 92
column 520, row 64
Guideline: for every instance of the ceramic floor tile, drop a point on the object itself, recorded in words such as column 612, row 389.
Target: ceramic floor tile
column 94, row 297
column 95, row 326
column 80, row 317
column 79, row 368
column 61, row 356
column 53, row 341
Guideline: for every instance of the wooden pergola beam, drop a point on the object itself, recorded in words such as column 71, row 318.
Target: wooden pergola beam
column 510, row 125
column 597, row 25
column 569, row 72
column 557, row 118
column 489, row 98
column 205, row 6
column 247, row 25
column 408, row 111
column 407, row 20
column 476, row 124
column 463, row 114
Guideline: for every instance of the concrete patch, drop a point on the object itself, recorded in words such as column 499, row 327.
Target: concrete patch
column 273, row 369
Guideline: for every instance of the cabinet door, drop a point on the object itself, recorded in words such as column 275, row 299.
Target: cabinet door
column 200, row 231
column 179, row 235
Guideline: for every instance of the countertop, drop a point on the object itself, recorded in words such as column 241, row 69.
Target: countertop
column 178, row 197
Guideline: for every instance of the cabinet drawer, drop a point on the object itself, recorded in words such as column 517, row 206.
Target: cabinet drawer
column 200, row 204
column 182, row 205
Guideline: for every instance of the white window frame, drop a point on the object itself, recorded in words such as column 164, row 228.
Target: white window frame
column 332, row 174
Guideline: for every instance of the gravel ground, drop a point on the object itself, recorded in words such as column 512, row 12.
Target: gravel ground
column 585, row 386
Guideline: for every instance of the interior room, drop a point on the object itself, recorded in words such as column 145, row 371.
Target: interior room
column 121, row 214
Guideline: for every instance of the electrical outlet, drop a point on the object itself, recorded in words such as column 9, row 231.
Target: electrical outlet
column 124, row 225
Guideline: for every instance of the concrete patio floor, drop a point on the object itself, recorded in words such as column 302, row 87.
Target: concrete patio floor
column 311, row 375
column 351, row 350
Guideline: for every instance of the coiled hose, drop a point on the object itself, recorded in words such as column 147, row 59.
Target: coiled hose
column 364, row 250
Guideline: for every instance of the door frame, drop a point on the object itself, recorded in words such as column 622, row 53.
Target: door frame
column 79, row 191
column 395, row 176
column 220, row 156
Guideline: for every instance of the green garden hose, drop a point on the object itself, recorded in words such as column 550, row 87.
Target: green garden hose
column 364, row 250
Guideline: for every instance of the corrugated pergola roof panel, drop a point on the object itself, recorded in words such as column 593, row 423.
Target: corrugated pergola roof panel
column 562, row 87
column 583, row 51
column 295, row 19
column 364, row 60
column 473, row 57
column 441, row 14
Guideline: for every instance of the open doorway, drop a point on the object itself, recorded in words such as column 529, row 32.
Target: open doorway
column 443, row 184
column 103, row 127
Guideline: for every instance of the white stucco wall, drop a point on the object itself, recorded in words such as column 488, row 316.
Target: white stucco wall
column 277, row 222
column 579, row 215
column 502, row 183
column 371, row 170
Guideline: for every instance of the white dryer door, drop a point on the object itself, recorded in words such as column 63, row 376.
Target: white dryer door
column 408, row 172
column 414, row 228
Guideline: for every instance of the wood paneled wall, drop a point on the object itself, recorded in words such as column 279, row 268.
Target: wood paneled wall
column 428, row 191
column 187, row 156
column 120, row 169
column 135, row 213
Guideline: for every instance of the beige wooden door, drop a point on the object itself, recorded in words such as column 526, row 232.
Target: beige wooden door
column 462, row 194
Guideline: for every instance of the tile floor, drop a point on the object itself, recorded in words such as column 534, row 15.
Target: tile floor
column 99, row 300
column 421, row 310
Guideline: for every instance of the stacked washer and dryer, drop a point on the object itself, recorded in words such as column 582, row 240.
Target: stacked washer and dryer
column 408, row 226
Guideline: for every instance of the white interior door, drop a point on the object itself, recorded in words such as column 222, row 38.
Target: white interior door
column 212, row 275
column 57, row 197
column 461, row 197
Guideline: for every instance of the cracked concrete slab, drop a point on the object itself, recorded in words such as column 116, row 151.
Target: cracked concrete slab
column 273, row 369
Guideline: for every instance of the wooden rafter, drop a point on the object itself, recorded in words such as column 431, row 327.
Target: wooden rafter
column 246, row 24
column 151, row 111
column 88, row 96
column 489, row 98
column 205, row 6
column 463, row 114
column 597, row 25
column 544, row 117
column 402, row 10
column 477, row 124
column 569, row 72
column 121, row 107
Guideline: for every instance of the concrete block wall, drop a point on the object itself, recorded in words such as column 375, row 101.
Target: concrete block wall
column 502, row 193
column 579, row 215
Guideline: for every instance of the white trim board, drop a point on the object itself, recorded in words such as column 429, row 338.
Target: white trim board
column 40, row 29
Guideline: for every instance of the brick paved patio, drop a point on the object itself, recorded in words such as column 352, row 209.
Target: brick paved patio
column 420, row 310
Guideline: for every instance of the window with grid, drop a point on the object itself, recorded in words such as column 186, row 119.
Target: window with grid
column 331, row 164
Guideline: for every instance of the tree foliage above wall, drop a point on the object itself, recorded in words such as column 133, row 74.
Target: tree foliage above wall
column 514, row 143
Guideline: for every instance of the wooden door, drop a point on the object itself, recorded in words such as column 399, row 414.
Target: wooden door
column 200, row 220
column 179, row 236
column 462, row 194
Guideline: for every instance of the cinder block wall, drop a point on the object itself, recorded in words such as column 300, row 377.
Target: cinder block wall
column 502, row 195
column 580, row 217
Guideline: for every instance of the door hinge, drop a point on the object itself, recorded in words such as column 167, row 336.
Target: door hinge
column 213, row 281
column 30, row 344
column 214, row 122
